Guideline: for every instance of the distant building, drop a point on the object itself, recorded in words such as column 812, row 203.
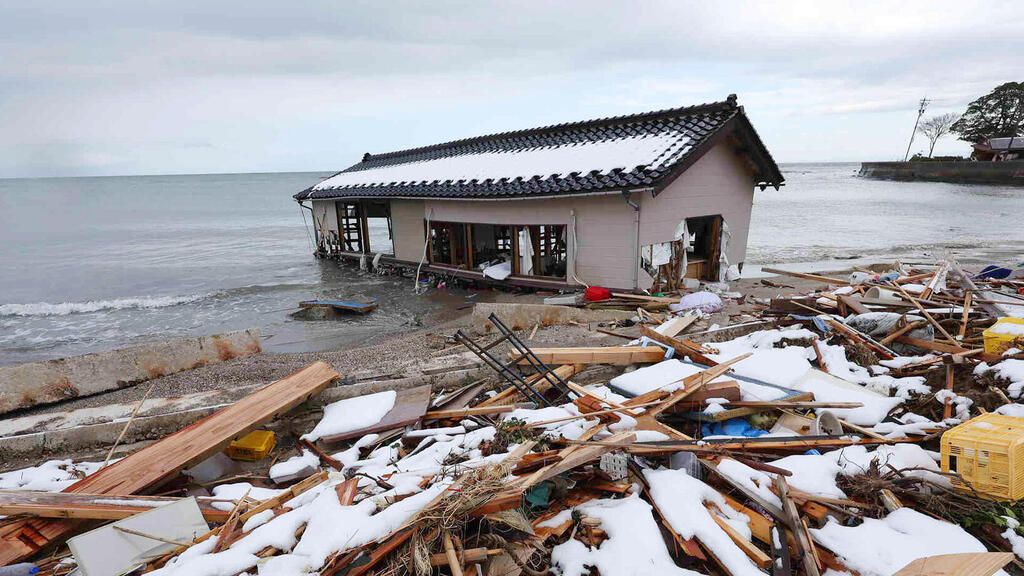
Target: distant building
column 603, row 202
column 997, row 149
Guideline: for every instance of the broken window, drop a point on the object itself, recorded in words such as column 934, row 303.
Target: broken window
column 448, row 244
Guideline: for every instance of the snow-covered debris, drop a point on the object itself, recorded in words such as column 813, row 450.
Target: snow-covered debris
column 351, row 414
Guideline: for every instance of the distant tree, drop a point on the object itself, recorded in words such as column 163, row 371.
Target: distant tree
column 997, row 114
column 936, row 127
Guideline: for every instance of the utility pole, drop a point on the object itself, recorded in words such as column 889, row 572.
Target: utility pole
column 920, row 112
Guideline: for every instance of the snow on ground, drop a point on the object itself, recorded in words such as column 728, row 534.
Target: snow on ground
column 1015, row 410
column 50, row 476
column 237, row 490
column 1013, row 537
column 1010, row 369
column 666, row 375
column 882, row 547
column 634, row 546
column 352, row 414
column 829, row 388
column 330, row 527
column 681, row 498
column 293, row 465
column 816, row 473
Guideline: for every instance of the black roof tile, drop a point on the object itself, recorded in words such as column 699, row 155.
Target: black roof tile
column 699, row 124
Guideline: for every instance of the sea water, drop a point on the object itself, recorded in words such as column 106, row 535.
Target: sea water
column 90, row 264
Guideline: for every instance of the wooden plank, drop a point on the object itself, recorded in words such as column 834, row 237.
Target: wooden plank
column 930, row 345
column 509, row 394
column 854, row 304
column 927, row 316
column 478, row 411
column 92, row 506
column 756, row 555
column 161, row 460
column 600, row 355
column 760, row 527
column 817, row 277
column 804, row 545
column 882, row 352
column 646, row 298
column 410, row 406
column 681, row 347
column 695, row 382
column 909, row 327
column 969, row 564
column 966, row 316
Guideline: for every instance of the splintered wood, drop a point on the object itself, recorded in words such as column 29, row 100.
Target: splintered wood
column 157, row 462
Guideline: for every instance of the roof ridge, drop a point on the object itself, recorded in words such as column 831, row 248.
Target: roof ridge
column 729, row 102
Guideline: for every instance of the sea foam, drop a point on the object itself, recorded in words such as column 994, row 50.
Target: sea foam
column 66, row 308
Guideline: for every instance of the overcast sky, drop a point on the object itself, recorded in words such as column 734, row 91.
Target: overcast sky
column 97, row 88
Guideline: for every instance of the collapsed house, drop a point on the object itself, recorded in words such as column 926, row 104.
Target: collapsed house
column 627, row 202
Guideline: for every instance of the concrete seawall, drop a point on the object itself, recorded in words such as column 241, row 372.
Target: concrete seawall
column 1001, row 173
column 27, row 385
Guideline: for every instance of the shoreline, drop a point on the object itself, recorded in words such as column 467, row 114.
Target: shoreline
column 387, row 353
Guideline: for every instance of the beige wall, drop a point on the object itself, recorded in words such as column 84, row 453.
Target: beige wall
column 605, row 229
column 718, row 183
column 407, row 229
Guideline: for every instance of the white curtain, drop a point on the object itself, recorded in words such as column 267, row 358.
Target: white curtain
column 525, row 252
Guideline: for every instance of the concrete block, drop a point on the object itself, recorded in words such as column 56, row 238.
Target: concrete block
column 525, row 316
column 26, row 385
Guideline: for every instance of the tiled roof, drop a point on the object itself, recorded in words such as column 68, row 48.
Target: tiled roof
column 638, row 151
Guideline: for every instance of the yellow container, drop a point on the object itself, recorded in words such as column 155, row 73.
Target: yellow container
column 988, row 452
column 253, row 446
column 996, row 343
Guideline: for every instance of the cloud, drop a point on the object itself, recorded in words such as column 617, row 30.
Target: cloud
column 115, row 87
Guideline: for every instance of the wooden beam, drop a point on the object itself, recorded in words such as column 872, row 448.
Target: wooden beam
column 600, row 355
column 817, row 277
column 506, row 396
column 930, row 345
column 804, row 545
column 967, row 564
column 162, row 460
column 932, row 320
column 966, row 316
column 478, row 411
column 756, row 555
column 682, row 347
column 93, row 506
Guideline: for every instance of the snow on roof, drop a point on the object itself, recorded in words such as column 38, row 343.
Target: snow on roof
column 610, row 154
column 581, row 157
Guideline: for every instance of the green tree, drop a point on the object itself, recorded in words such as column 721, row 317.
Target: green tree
column 999, row 113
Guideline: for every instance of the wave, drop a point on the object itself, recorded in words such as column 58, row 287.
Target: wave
column 67, row 308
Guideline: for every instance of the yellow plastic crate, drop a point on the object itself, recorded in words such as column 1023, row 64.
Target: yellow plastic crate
column 988, row 452
column 996, row 343
column 253, row 446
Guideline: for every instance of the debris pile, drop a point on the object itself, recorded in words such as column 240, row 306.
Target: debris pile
column 867, row 427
